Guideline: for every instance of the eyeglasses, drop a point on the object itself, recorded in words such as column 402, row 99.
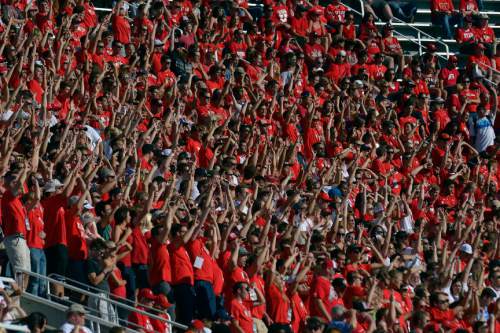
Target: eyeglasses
column 443, row 301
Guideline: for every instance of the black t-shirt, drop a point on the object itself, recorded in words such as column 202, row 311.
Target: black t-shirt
column 94, row 266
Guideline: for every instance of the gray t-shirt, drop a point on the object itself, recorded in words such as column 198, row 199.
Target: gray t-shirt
column 93, row 266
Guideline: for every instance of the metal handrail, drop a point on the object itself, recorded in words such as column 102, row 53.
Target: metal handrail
column 404, row 37
column 394, row 18
column 106, row 299
column 88, row 287
column 402, row 23
column 89, row 317
column 15, row 328
column 419, row 32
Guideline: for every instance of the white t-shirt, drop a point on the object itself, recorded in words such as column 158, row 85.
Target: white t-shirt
column 68, row 328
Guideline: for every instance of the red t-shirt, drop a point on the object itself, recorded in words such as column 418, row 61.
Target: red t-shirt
column 35, row 217
column 140, row 321
column 161, row 326
column 278, row 305
column 121, row 29
column 466, row 35
column 115, row 288
column 140, row 248
column 242, row 315
column 159, row 263
column 199, row 254
column 55, row 225
column 299, row 25
column 485, row 35
column 441, row 5
column 336, row 12
column 449, row 76
column 14, row 215
column 77, row 245
column 322, row 289
column 180, row 261
column 127, row 259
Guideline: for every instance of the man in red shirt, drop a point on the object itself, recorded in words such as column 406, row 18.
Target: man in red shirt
column 448, row 76
column 466, row 36
column 242, row 317
column 182, row 271
column 77, row 243
column 15, row 223
column 377, row 69
column 323, row 296
column 444, row 14
column 159, row 270
column 485, row 34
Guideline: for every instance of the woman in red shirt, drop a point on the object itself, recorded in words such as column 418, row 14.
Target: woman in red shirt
column 36, row 239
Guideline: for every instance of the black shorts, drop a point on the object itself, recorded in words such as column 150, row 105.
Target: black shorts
column 57, row 259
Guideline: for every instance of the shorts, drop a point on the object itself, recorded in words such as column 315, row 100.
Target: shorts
column 57, row 260
column 18, row 252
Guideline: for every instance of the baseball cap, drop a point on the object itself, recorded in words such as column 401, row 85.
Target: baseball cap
column 466, row 248
column 147, row 294
column 52, row 186
column 162, row 301
column 197, row 324
column 76, row 308
column 87, row 205
column 488, row 292
column 358, row 84
column 243, row 252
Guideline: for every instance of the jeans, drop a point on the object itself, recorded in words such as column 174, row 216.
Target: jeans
column 77, row 271
column 480, row 5
column 37, row 286
column 205, row 300
column 403, row 10
column 447, row 22
column 184, row 303
column 141, row 276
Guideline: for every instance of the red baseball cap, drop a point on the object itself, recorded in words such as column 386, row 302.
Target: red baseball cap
column 147, row 294
column 162, row 301
column 197, row 324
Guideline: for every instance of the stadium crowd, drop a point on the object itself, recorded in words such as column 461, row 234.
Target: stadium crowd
column 244, row 169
